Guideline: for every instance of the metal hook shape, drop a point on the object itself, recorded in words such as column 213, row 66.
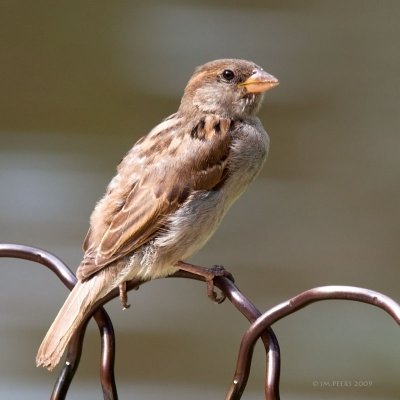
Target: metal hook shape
column 104, row 323
column 260, row 324
column 289, row 307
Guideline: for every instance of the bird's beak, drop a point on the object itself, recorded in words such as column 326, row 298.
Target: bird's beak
column 259, row 82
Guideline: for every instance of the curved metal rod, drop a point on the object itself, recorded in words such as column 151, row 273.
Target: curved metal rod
column 250, row 311
column 246, row 308
column 75, row 347
column 273, row 356
column 296, row 303
column 260, row 324
column 67, row 373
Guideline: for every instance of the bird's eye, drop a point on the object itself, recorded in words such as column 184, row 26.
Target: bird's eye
column 228, row 75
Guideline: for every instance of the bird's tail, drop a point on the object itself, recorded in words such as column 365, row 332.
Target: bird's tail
column 69, row 318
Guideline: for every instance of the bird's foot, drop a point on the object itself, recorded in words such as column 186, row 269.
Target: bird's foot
column 208, row 274
column 215, row 271
column 123, row 296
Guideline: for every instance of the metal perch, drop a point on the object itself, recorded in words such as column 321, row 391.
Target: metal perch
column 260, row 325
column 103, row 321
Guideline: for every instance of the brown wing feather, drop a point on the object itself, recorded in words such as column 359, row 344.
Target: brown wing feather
column 161, row 190
column 134, row 225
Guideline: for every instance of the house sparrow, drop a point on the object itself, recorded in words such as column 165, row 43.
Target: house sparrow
column 171, row 191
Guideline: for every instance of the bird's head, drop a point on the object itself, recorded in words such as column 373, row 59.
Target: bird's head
column 229, row 87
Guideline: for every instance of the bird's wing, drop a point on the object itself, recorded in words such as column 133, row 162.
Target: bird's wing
column 177, row 163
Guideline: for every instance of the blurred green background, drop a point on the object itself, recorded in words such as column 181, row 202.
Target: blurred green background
column 81, row 81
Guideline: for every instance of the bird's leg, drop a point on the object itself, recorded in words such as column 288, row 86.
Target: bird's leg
column 208, row 274
column 123, row 295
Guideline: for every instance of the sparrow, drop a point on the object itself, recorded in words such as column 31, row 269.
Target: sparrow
column 170, row 192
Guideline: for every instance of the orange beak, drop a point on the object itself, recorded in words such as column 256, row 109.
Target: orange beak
column 259, row 82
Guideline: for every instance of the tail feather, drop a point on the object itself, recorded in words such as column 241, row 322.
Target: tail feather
column 70, row 316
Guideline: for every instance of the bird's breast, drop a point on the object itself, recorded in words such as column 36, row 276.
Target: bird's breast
column 248, row 153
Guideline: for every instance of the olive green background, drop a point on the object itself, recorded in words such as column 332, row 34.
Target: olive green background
column 81, row 81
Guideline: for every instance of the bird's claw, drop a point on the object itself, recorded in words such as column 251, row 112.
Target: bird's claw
column 123, row 296
column 215, row 271
column 208, row 275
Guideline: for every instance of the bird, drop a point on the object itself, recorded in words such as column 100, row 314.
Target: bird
column 170, row 193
